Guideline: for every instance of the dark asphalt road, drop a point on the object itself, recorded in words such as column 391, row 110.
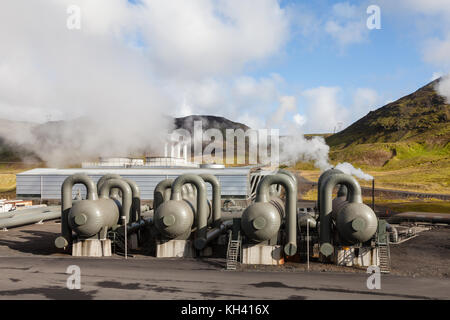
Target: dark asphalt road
column 152, row 278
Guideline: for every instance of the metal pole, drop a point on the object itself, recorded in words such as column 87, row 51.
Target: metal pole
column 373, row 194
column 124, row 218
column 307, row 242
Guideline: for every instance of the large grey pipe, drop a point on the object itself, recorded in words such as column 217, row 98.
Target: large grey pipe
column 114, row 191
column 30, row 216
column 159, row 192
column 127, row 198
column 263, row 195
column 202, row 214
column 216, row 232
column 66, row 204
column 216, row 199
column 325, row 197
column 136, row 201
column 7, row 215
column 322, row 178
column 288, row 173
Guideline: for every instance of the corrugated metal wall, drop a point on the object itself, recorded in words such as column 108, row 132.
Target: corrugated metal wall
column 49, row 186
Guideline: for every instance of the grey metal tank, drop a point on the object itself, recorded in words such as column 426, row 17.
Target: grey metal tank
column 356, row 222
column 88, row 217
column 261, row 221
column 174, row 219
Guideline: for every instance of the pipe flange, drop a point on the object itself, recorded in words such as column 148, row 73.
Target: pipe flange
column 80, row 219
column 326, row 249
column 259, row 223
column 168, row 220
column 358, row 224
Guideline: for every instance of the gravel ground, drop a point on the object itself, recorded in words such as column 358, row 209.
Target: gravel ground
column 427, row 255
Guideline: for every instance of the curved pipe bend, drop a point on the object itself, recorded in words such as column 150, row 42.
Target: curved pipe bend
column 202, row 214
column 322, row 178
column 328, row 184
column 114, row 191
column 66, row 204
column 136, row 201
column 216, row 199
column 263, row 195
column 160, row 192
column 127, row 198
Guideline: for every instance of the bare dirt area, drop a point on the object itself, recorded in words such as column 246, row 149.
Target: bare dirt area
column 33, row 268
column 427, row 255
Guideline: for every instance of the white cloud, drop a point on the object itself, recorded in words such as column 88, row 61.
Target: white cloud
column 364, row 100
column 299, row 119
column 347, row 24
column 322, row 105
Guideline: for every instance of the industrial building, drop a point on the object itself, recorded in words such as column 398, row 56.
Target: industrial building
column 45, row 183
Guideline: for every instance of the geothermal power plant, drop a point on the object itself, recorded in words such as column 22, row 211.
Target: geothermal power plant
column 167, row 207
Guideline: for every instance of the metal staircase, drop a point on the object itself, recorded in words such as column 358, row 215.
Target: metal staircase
column 385, row 257
column 233, row 251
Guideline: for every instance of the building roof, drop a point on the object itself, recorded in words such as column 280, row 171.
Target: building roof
column 137, row 171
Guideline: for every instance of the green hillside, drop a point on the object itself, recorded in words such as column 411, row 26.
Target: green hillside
column 404, row 145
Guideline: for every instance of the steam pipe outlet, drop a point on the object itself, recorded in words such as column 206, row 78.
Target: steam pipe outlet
column 66, row 204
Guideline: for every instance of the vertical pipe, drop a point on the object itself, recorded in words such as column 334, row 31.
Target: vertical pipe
column 216, row 199
column 373, row 195
column 136, row 201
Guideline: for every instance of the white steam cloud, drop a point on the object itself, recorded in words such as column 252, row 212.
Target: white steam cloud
column 124, row 71
column 296, row 147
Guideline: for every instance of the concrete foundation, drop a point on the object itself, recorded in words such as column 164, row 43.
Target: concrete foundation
column 358, row 257
column 175, row 249
column 262, row 254
column 91, row 248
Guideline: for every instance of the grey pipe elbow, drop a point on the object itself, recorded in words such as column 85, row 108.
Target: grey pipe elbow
column 322, row 178
column 159, row 194
column 127, row 198
column 114, row 191
column 66, row 204
column 263, row 195
column 202, row 214
column 136, row 201
column 217, row 197
column 325, row 200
